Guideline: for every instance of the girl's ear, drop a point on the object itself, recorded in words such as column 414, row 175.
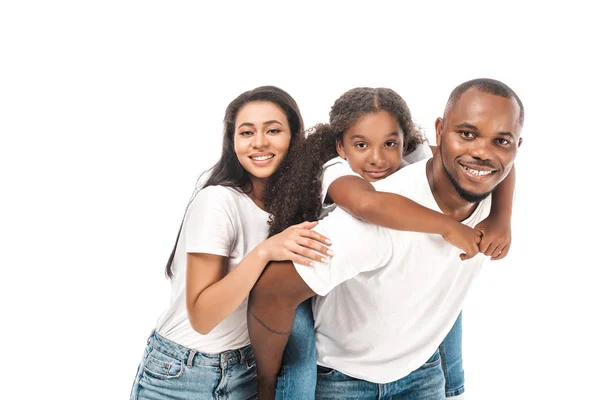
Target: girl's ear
column 340, row 149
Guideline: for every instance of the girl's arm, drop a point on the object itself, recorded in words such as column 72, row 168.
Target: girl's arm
column 496, row 227
column 212, row 294
column 359, row 198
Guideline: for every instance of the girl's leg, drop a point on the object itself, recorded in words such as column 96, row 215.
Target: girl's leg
column 452, row 364
column 298, row 376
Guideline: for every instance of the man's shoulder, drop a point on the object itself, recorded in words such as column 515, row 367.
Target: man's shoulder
column 406, row 180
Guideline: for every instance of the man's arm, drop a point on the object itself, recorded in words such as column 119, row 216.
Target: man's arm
column 271, row 308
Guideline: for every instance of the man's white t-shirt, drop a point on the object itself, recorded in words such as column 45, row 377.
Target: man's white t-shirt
column 388, row 298
column 222, row 221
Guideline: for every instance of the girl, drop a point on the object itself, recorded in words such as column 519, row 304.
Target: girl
column 369, row 131
column 200, row 347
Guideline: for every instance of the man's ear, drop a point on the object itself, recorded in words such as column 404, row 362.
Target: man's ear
column 439, row 127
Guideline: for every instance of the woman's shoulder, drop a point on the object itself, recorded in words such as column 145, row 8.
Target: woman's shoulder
column 221, row 191
column 219, row 196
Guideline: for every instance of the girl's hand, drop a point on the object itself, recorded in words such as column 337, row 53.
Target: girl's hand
column 465, row 238
column 496, row 238
column 299, row 244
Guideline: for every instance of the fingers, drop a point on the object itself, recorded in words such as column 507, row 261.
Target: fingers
column 469, row 254
column 484, row 245
column 306, row 254
column 300, row 260
column 306, row 225
column 314, row 245
column 492, row 250
column 314, row 235
column 500, row 254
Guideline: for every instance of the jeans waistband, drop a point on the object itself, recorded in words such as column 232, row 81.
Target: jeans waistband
column 193, row 357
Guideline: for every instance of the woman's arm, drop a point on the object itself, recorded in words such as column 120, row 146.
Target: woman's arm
column 390, row 210
column 212, row 294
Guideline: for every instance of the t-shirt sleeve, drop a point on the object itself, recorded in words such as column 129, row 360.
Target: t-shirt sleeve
column 421, row 152
column 357, row 247
column 332, row 170
column 209, row 225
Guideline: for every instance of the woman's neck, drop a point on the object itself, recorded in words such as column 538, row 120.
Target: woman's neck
column 257, row 191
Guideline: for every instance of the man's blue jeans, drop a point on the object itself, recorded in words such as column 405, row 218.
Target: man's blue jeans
column 426, row 383
column 298, row 375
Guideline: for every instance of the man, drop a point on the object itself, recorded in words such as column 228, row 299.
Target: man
column 388, row 298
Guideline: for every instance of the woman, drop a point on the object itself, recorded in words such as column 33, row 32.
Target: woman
column 200, row 347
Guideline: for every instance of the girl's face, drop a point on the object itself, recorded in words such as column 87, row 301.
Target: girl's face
column 373, row 146
column 261, row 138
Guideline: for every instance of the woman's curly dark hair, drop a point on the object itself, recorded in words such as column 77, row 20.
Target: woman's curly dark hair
column 294, row 195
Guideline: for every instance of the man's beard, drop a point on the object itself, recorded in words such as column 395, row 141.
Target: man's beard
column 464, row 194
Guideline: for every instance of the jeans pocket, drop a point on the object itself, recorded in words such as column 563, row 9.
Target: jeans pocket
column 324, row 371
column 162, row 366
column 434, row 360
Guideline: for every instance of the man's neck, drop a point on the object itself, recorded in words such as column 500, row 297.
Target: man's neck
column 444, row 192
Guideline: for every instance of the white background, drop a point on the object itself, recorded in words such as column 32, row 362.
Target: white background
column 110, row 110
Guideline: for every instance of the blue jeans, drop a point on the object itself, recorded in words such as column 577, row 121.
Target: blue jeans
column 426, row 383
column 171, row 371
column 452, row 364
column 298, row 376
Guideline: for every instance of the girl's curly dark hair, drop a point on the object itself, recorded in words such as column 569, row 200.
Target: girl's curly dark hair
column 294, row 195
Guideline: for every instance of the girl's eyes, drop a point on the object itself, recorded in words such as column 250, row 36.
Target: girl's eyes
column 274, row 131
column 246, row 133
column 362, row 145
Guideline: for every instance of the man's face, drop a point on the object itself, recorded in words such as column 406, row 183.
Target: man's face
column 478, row 140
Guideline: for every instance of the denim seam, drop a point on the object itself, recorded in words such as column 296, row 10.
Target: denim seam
column 138, row 387
column 159, row 363
column 456, row 392
column 444, row 367
column 285, row 377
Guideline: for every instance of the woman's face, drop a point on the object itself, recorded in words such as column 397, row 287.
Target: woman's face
column 261, row 138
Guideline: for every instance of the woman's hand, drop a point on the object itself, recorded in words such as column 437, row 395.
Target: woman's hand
column 299, row 244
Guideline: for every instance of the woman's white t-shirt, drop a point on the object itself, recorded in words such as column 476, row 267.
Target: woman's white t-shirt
column 222, row 221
